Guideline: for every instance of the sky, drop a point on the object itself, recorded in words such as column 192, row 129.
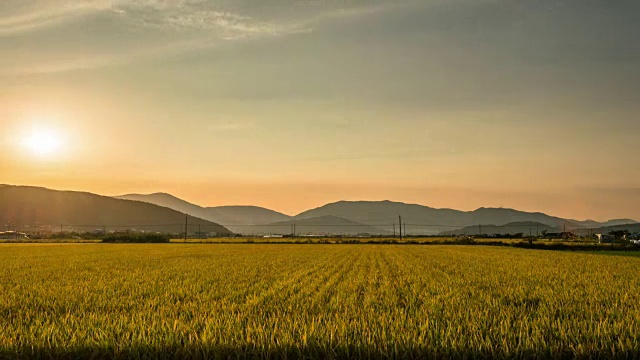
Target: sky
column 533, row 105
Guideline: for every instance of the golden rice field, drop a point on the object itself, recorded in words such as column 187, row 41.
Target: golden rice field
column 315, row 301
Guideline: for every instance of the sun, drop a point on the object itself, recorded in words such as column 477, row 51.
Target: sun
column 43, row 142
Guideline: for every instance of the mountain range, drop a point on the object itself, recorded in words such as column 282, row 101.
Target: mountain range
column 26, row 208
column 424, row 220
column 375, row 217
column 164, row 212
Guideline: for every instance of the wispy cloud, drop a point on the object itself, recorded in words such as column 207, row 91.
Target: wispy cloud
column 187, row 26
column 176, row 15
column 200, row 16
column 42, row 14
column 191, row 24
column 181, row 14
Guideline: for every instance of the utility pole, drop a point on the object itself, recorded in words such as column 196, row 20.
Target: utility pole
column 186, row 227
column 405, row 229
column 400, row 226
column 394, row 229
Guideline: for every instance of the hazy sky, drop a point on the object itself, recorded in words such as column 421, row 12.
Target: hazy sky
column 533, row 105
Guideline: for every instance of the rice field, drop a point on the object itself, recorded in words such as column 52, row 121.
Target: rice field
column 315, row 301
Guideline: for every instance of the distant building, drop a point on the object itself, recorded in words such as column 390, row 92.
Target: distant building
column 12, row 235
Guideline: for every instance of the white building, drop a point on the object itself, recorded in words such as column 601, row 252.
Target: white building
column 12, row 235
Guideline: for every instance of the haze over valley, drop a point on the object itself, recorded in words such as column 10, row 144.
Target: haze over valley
column 32, row 208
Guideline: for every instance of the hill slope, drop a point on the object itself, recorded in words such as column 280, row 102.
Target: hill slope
column 25, row 206
column 383, row 214
column 235, row 218
column 165, row 200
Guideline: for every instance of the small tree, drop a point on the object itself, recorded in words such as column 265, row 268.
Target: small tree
column 620, row 235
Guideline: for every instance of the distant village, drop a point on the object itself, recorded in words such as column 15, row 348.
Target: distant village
column 617, row 236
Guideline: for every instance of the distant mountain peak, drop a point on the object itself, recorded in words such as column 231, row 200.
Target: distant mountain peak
column 164, row 194
column 372, row 202
column 483, row 208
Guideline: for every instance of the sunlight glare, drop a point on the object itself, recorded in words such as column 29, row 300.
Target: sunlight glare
column 43, row 142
